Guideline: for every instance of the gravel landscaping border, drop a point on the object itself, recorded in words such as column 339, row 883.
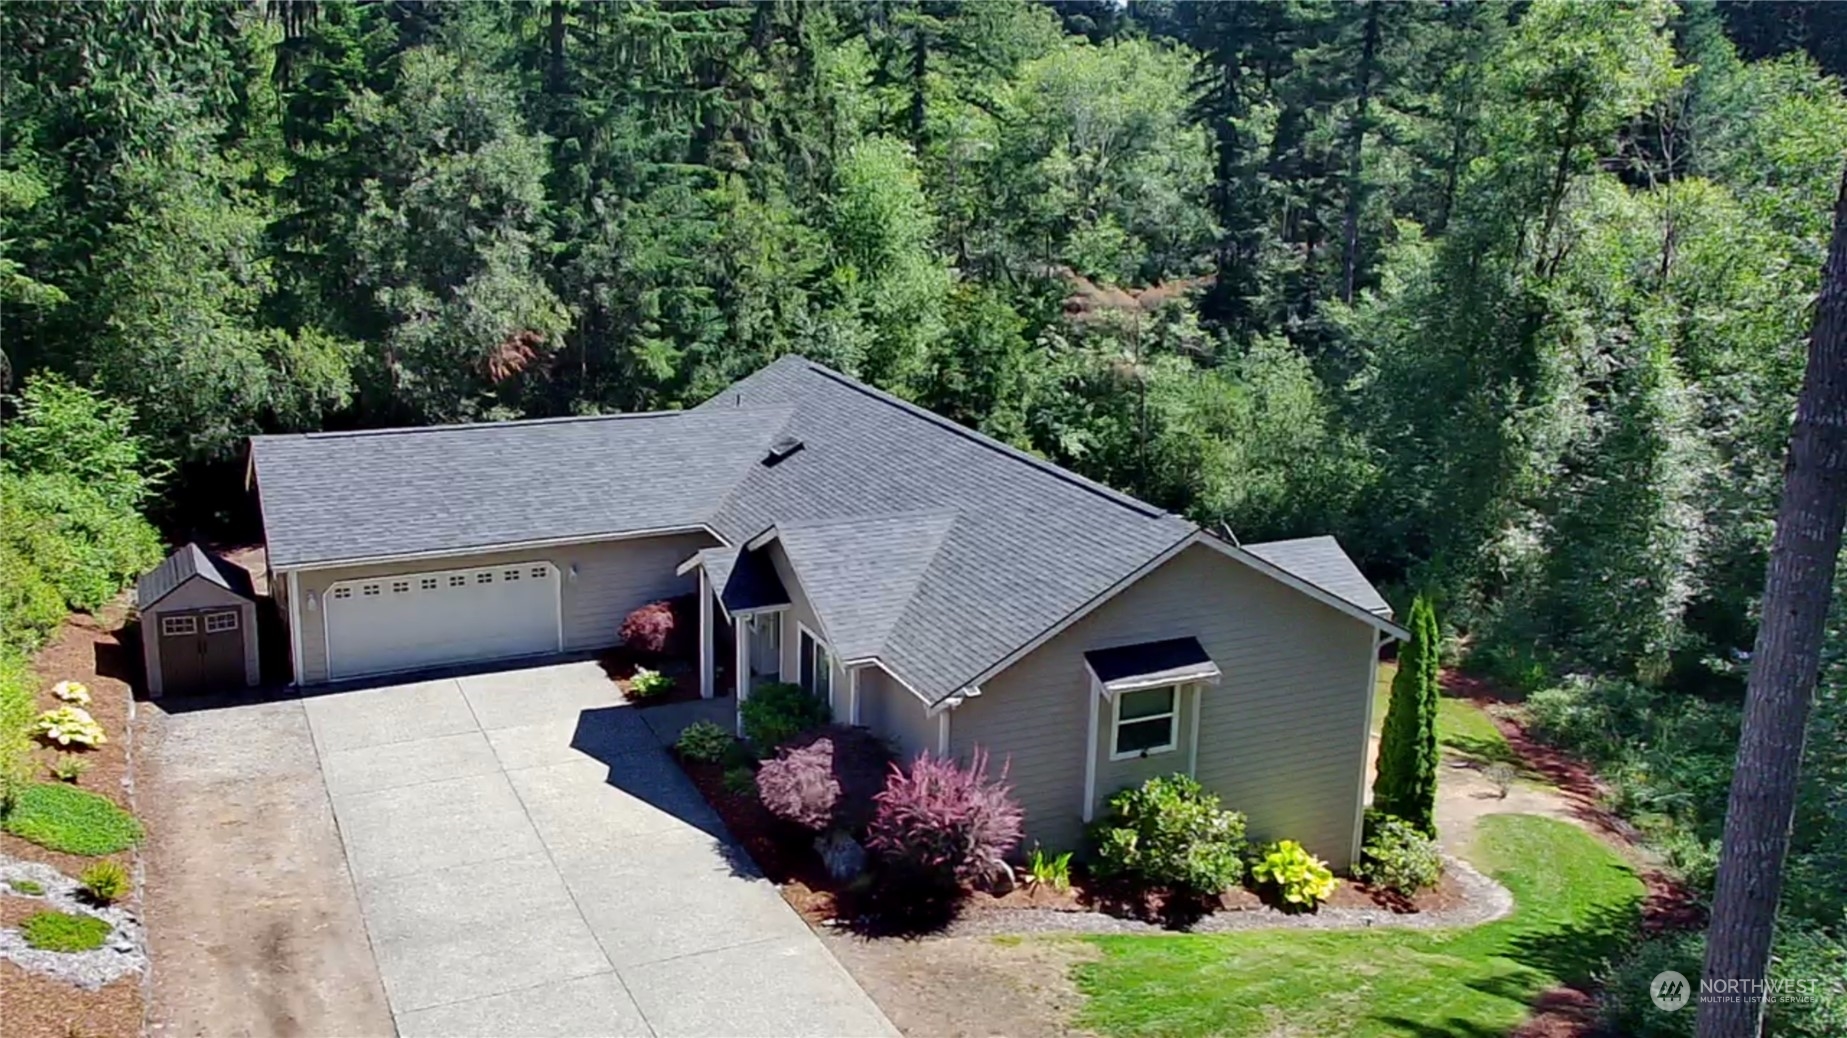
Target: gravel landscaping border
column 1483, row 901
column 124, row 952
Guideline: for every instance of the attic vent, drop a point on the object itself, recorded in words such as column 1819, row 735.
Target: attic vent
column 781, row 448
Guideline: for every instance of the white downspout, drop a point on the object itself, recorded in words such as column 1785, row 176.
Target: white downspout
column 1090, row 753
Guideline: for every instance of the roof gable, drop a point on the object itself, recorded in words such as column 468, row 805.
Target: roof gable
column 188, row 562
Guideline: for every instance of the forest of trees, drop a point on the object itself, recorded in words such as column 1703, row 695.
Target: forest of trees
column 1512, row 298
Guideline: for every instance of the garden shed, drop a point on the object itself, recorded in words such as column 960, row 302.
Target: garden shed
column 198, row 624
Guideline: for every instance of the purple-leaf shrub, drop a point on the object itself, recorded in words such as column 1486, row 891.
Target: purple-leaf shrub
column 942, row 821
column 824, row 779
column 649, row 629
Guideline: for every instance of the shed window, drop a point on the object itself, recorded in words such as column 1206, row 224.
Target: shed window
column 1146, row 721
column 216, row 622
column 176, row 626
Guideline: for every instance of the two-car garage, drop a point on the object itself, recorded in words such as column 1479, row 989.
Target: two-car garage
column 429, row 618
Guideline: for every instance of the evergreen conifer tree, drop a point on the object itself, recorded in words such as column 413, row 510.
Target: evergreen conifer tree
column 1406, row 785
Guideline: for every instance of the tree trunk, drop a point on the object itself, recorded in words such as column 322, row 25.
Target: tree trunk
column 1797, row 588
column 1350, row 235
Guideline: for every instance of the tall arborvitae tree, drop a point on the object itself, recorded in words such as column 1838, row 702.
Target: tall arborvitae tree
column 1406, row 785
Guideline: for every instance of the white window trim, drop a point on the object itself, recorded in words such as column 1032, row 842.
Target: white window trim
column 179, row 626
column 234, row 623
column 820, row 642
column 1172, row 717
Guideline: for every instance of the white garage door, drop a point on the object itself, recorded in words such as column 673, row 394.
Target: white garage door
column 412, row 620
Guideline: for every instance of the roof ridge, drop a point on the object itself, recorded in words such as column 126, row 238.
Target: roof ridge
column 451, row 427
column 983, row 440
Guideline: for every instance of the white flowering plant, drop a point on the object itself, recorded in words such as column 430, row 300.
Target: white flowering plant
column 69, row 726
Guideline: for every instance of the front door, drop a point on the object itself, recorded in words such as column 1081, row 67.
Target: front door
column 766, row 646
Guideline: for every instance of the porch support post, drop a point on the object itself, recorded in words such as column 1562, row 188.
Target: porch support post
column 1379, row 639
column 708, row 679
column 853, row 695
column 740, row 663
column 1090, row 753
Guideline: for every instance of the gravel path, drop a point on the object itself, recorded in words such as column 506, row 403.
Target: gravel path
column 122, row 953
column 1484, row 900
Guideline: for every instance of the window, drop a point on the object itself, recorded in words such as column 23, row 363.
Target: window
column 343, row 592
column 538, row 572
column 511, row 574
column 458, row 581
column 1146, row 722
column 370, row 591
column 400, row 587
column 427, row 583
column 216, row 622
column 817, row 668
column 484, row 577
column 176, row 626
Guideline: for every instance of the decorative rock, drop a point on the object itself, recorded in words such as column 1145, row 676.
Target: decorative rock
column 844, row 857
column 121, row 954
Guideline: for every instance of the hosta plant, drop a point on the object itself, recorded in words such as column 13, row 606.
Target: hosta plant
column 1299, row 878
column 648, row 683
column 703, row 741
column 75, row 693
column 69, row 726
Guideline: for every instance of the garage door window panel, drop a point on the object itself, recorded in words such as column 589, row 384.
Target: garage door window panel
column 441, row 618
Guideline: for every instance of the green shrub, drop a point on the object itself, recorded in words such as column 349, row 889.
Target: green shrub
column 1299, row 878
column 71, row 820
column 1047, row 870
column 85, row 546
column 69, row 726
column 63, row 932
column 32, row 606
column 104, row 882
column 69, row 767
column 778, row 712
column 17, row 707
column 1170, row 833
column 1397, row 856
column 740, row 780
column 704, row 741
column 1406, row 783
column 26, row 886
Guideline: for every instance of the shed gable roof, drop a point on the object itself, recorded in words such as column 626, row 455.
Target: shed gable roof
column 188, row 562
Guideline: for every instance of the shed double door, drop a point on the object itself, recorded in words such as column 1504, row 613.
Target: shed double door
column 201, row 650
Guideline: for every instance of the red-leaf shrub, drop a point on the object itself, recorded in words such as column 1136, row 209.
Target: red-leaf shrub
column 945, row 823
column 825, row 779
column 649, row 629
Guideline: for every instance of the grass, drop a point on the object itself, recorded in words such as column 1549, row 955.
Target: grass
column 71, row 820
column 63, row 932
column 26, row 886
column 1575, row 901
column 1463, row 728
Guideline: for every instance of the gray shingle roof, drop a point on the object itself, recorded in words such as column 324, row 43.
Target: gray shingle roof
column 1321, row 562
column 184, row 564
column 920, row 543
column 329, row 497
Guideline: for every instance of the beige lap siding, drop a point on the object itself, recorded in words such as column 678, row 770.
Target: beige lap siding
column 800, row 612
column 1282, row 737
column 613, row 577
column 894, row 714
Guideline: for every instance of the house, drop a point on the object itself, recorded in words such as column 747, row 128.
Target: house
column 942, row 588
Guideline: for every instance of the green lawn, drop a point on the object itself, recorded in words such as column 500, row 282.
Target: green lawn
column 1463, row 728
column 1574, row 902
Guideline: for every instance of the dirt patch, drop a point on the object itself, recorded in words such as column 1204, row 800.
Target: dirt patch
column 98, row 652
column 40, row 1007
column 969, row 987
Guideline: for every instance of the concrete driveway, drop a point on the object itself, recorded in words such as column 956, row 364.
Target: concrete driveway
column 528, row 860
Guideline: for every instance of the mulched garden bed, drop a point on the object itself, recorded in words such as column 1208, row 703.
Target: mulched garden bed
column 788, row 859
column 620, row 665
column 98, row 652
